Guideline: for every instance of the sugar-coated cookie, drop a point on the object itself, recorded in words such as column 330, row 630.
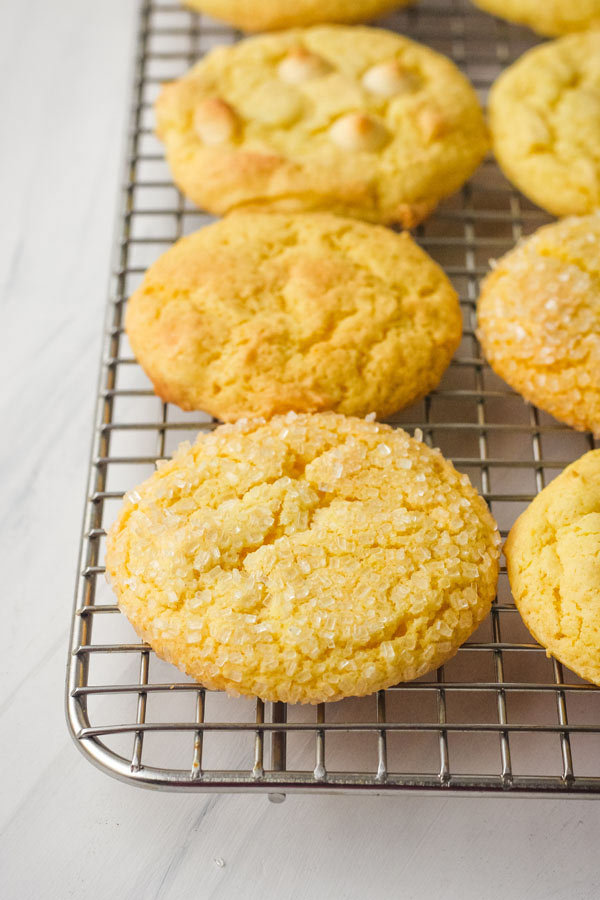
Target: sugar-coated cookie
column 261, row 313
column 268, row 15
column 539, row 320
column 545, row 122
column 550, row 17
column 553, row 558
column 357, row 121
column 304, row 559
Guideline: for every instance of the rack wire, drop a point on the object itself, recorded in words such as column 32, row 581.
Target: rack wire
column 501, row 716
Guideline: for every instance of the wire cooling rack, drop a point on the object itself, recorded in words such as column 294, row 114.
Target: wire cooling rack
column 500, row 716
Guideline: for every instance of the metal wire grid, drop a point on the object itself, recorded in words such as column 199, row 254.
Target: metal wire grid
column 500, row 716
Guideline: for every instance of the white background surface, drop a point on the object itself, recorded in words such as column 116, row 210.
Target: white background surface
column 67, row 829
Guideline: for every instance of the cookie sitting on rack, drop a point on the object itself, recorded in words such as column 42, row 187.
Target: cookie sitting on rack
column 545, row 124
column 262, row 313
column 305, row 559
column 549, row 17
column 357, row 121
column 268, row 15
column 539, row 320
column 553, row 559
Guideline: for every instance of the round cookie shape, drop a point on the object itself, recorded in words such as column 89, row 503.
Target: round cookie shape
column 262, row 313
column 544, row 113
column 553, row 559
column 304, row 559
column 269, row 15
column 356, row 121
column 549, row 17
column 539, row 320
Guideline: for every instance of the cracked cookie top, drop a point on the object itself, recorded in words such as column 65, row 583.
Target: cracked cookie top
column 539, row 320
column 545, row 123
column 553, row 558
column 304, row 559
column 262, row 313
column 357, row 121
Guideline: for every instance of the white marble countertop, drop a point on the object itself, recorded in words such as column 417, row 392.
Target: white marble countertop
column 68, row 830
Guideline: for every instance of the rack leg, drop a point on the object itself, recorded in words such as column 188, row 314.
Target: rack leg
column 278, row 746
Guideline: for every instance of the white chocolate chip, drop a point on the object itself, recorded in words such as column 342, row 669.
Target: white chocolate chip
column 358, row 131
column 215, row 121
column 299, row 65
column 431, row 123
column 388, row 79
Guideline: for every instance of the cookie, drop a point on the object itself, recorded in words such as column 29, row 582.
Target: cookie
column 261, row 313
column 356, row 121
column 549, row 17
column 545, row 122
column 304, row 559
column 268, row 15
column 553, row 558
column 539, row 320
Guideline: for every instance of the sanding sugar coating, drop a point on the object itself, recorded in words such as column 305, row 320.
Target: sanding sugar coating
column 539, row 320
column 305, row 559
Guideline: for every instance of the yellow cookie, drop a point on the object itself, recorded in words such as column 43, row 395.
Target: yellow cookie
column 357, row 121
column 551, row 17
column 259, row 314
column 539, row 320
column 304, row 559
column 267, row 15
column 553, row 558
column 545, row 123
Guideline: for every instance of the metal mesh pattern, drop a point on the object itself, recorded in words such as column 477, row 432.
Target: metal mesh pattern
column 500, row 716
